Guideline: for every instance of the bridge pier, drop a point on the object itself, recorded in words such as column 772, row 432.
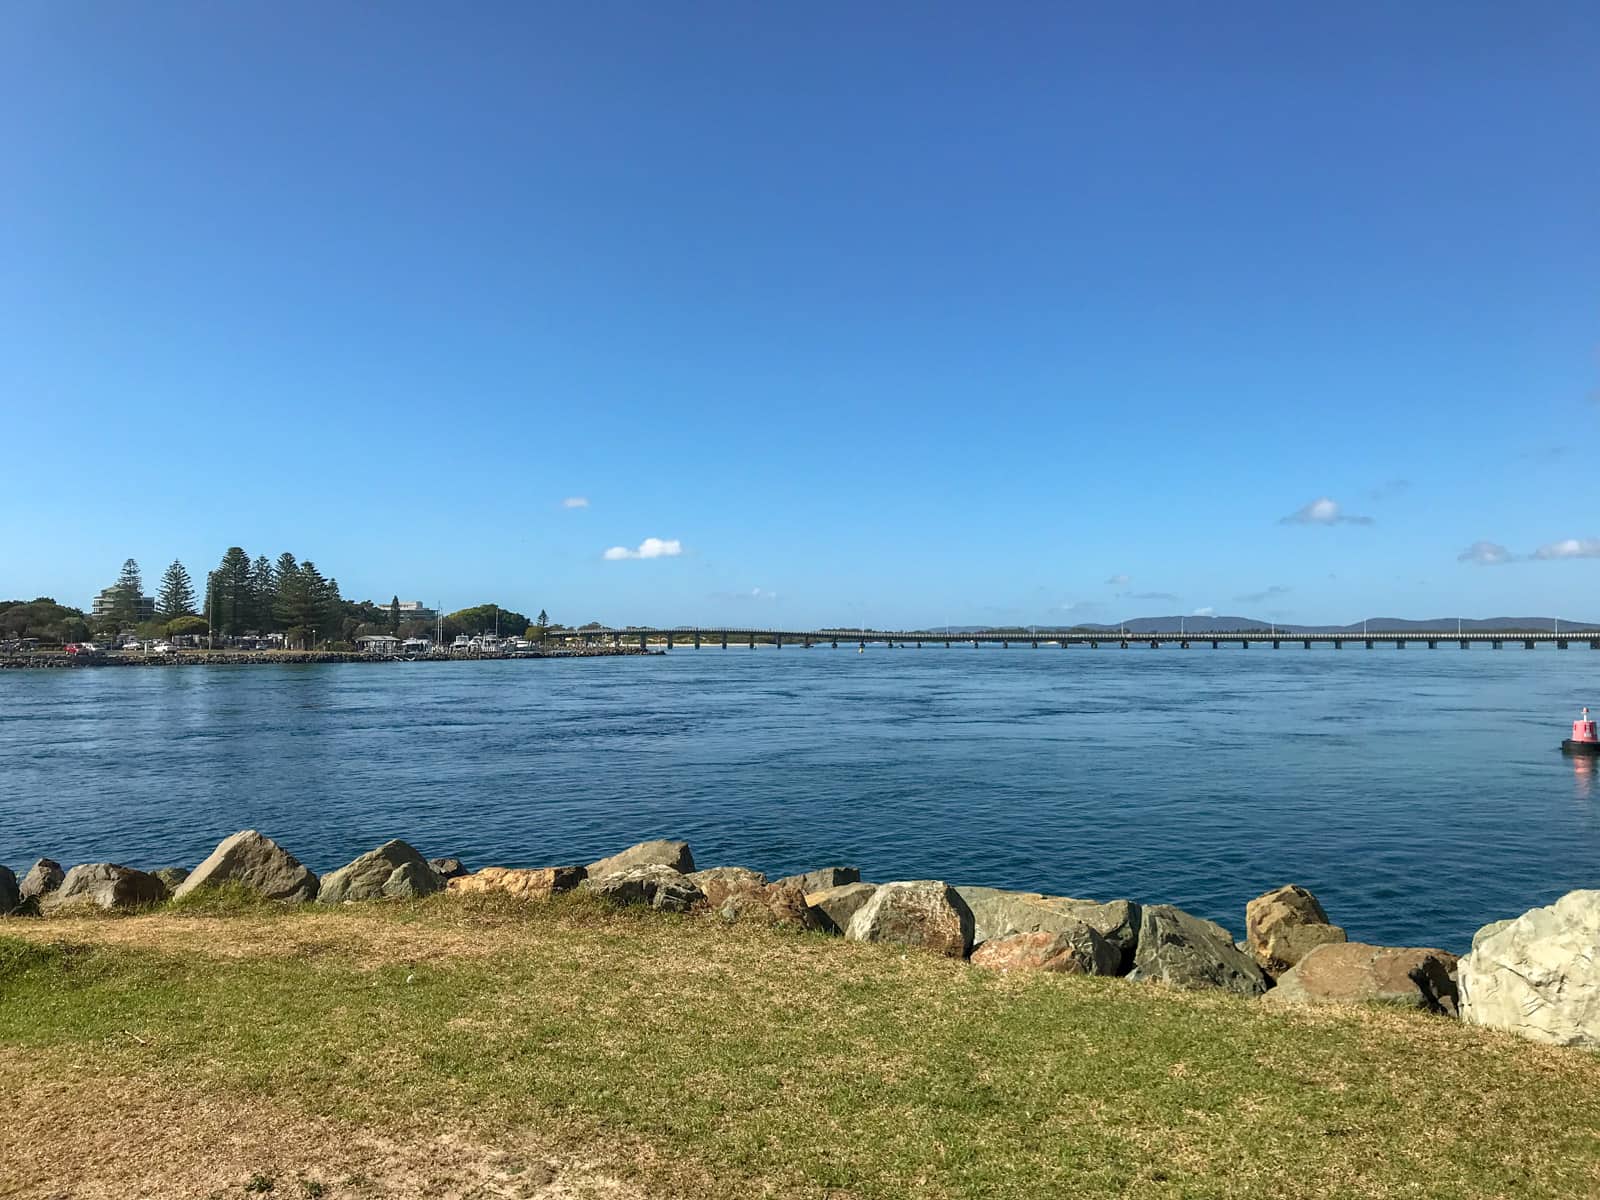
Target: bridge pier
column 1369, row 645
column 1308, row 644
column 835, row 643
column 669, row 641
column 1466, row 645
column 724, row 641
column 1337, row 644
column 1527, row 645
column 1155, row 643
column 863, row 645
column 1183, row 645
column 1276, row 645
column 1561, row 644
column 1094, row 645
column 1495, row 644
column 1035, row 645
column 1432, row 645
column 1244, row 645
column 1215, row 644
column 1399, row 645
column 752, row 641
column 778, row 640
column 1124, row 645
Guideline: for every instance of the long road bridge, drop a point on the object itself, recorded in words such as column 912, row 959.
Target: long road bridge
column 1066, row 638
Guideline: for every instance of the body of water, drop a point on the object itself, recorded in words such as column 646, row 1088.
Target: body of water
column 1420, row 793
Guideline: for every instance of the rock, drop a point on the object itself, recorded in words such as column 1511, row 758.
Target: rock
column 171, row 876
column 10, row 894
column 105, row 885
column 997, row 913
column 657, row 885
column 838, row 904
column 719, row 883
column 1354, row 973
column 773, row 904
column 537, row 883
column 647, row 854
column 1539, row 975
column 1489, row 930
column 393, row 871
column 1284, row 925
column 1183, row 950
column 253, row 861
column 926, row 913
column 821, row 880
column 1079, row 951
column 447, row 868
column 43, row 877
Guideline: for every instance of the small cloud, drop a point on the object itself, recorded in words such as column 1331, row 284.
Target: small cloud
column 649, row 548
column 757, row 593
column 1323, row 511
column 1150, row 595
column 1485, row 554
column 575, row 502
column 1083, row 607
column 1118, row 581
column 1276, row 589
column 1569, row 548
column 1207, row 611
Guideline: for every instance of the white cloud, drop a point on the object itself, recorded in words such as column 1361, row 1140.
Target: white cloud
column 1570, row 548
column 1323, row 511
column 1207, row 611
column 1485, row 554
column 649, row 548
column 575, row 502
column 758, row 593
column 1148, row 596
column 1119, row 581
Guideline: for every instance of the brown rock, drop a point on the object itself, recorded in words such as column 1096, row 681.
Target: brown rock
column 719, row 883
column 1079, row 951
column 1354, row 973
column 926, row 913
column 838, row 904
column 998, row 913
column 773, row 904
column 823, row 879
column 535, row 883
column 1284, row 925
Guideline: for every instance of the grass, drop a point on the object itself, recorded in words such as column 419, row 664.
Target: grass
column 469, row 1046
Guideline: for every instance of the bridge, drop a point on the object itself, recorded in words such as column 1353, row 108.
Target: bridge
column 1066, row 638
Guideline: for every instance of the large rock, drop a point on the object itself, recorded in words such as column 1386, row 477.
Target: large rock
column 536, row 883
column 1539, row 975
column 1183, row 950
column 171, row 876
column 659, row 853
column 998, row 913
column 43, row 877
column 447, row 868
column 838, row 904
column 393, row 871
column 10, row 895
column 1077, row 951
column 1284, row 925
column 104, row 885
column 255, row 862
column 719, row 883
column 1354, row 973
column 926, row 913
column 822, row 879
column 656, row 885
column 771, row 904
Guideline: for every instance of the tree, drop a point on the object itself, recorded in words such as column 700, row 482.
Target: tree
column 232, row 593
column 125, row 596
column 543, row 623
column 264, row 589
column 176, row 597
column 43, row 619
column 189, row 626
column 394, row 614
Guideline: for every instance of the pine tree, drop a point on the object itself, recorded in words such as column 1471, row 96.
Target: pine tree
column 232, row 596
column 285, row 581
column 264, row 590
column 176, row 597
column 544, row 623
column 394, row 615
column 126, row 594
column 332, row 610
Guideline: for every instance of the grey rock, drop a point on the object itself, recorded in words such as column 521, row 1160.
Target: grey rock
column 254, row 861
column 1539, row 975
column 43, row 877
column 104, row 885
column 999, row 913
column 659, row 853
column 10, row 895
column 838, row 904
column 447, row 868
column 1489, row 930
column 1355, row 973
column 1076, row 951
column 926, row 913
column 171, row 876
column 1186, row 951
column 822, row 879
column 393, row 871
column 654, row 884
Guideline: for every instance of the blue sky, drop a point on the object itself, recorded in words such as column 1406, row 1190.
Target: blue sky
column 880, row 314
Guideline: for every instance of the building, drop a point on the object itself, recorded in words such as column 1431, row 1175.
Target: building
column 415, row 610
column 106, row 602
column 379, row 643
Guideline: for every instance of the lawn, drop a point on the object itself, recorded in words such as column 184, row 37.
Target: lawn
column 477, row 1047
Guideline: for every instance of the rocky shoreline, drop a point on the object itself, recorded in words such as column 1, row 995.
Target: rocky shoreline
column 241, row 658
column 1537, row 975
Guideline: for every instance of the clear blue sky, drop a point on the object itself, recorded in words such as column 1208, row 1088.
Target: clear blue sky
column 886, row 314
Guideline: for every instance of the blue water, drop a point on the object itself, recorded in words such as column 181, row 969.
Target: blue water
column 1420, row 793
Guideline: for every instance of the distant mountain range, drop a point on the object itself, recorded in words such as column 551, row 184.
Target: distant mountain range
column 1200, row 625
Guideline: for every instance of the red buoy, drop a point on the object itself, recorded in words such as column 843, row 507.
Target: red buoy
column 1584, row 739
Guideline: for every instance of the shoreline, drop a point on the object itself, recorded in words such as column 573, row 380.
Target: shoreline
column 56, row 660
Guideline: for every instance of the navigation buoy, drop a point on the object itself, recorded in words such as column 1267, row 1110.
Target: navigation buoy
column 1584, row 739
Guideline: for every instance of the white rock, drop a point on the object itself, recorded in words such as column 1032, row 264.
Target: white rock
column 1539, row 975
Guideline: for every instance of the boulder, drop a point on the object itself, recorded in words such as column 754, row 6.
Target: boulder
column 656, row 885
column 447, row 868
column 393, row 871
column 838, row 904
column 1539, row 975
column 1489, row 930
column 659, row 853
column 772, row 904
column 537, row 883
column 926, row 913
column 998, row 913
column 10, row 894
column 1079, row 951
column 822, row 879
column 719, row 883
column 1284, row 925
column 171, row 876
column 104, row 885
column 43, row 877
column 1186, row 951
column 253, row 861
column 1354, row 973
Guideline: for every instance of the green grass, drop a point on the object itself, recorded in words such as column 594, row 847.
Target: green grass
column 693, row 1058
